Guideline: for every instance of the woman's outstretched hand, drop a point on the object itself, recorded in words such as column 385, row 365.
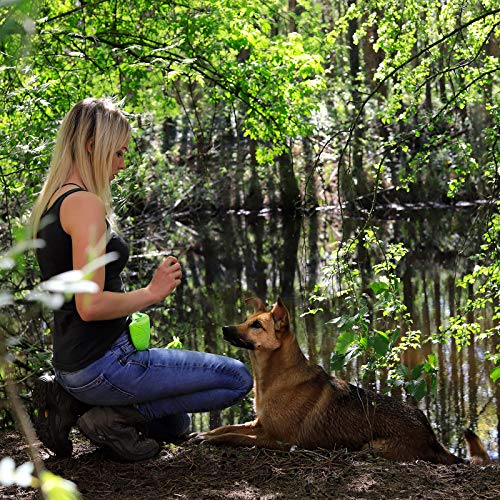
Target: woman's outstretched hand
column 165, row 279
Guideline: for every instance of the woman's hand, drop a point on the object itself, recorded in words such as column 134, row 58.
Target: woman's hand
column 165, row 279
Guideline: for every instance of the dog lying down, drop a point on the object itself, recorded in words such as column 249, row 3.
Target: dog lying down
column 298, row 403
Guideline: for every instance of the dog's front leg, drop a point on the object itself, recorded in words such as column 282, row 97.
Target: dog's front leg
column 242, row 437
column 246, row 428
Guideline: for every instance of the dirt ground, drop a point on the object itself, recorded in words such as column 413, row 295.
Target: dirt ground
column 202, row 471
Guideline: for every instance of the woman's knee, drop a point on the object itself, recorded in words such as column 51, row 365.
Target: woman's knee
column 245, row 378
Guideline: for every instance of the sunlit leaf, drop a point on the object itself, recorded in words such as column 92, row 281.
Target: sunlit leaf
column 6, row 299
column 51, row 300
column 175, row 344
column 24, row 474
column 63, row 286
column 56, row 488
column 344, row 341
column 9, row 475
column 101, row 261
column 7, row 263
column 7, row 471
column 495, row 374
column 378, row 287
column 431, row 362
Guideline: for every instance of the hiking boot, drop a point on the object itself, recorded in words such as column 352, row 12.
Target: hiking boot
column 57, row 413
column 114, row 427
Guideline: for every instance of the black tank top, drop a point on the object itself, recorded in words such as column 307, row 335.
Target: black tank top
column 78, row 343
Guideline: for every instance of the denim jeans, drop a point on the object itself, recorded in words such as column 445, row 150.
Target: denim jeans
column 160, row 383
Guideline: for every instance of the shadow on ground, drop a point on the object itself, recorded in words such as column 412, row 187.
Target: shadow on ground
column 202, row 471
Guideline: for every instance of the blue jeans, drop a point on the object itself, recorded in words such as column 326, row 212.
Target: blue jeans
column 163, row 384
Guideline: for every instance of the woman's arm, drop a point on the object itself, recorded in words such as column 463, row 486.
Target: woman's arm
column 83, row 217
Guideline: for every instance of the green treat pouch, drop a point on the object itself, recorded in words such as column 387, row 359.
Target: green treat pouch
column 140, row 331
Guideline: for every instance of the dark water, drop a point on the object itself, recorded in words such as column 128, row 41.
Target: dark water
column 229, row 258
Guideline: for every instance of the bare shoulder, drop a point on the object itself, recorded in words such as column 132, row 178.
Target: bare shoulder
column 83, row 199
column 82, row 209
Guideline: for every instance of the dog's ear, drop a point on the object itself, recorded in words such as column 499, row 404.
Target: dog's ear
column 257, row 304
column 280, row 315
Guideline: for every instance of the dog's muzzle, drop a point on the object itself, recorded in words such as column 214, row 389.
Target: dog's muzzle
column 231, row 335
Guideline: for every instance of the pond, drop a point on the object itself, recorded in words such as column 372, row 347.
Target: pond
column 228, row 258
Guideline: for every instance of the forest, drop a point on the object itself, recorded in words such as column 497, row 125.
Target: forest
column 342, row 155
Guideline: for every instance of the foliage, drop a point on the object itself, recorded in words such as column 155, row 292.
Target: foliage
column 485, row 279
column 262, row 71
column 232, row 100
column 53, row 487
column 21, row 476
column 375, row 325
column 429, row 74
column 51, row 293
column 57, row 488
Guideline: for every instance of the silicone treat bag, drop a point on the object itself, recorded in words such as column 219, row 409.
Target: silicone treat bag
column 140, row 331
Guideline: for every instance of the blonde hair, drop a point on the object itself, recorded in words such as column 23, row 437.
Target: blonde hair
column 101, row 124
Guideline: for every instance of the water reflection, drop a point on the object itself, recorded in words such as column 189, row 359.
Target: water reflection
column 236, row 256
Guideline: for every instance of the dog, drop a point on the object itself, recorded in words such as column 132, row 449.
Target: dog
column 299, row 404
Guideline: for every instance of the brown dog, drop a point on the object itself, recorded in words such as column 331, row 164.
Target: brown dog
column 297, row 403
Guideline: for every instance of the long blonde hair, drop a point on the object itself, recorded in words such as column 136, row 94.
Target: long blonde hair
column 101, row 124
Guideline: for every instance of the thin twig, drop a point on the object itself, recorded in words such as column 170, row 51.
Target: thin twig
column 23, row 420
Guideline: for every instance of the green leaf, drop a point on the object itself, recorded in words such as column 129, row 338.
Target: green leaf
column 334, row 321
column 430, row 363
column 337, row 362
column 495, row 374
column 56, row 488
column 419, row 389
column 434, row 384
column 346, row 323
column 175, row 344
column 344, row 341
column 364, row 343
column 417, row 371
column 311, row 312
column 380, row 343
column 403, row 371
column 378, row 287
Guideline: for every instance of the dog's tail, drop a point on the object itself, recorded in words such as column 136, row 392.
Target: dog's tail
column 476, row 450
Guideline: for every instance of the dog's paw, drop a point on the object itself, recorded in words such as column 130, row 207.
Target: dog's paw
column 196, row 438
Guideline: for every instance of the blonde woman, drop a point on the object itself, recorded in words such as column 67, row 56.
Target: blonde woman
column 101, row 381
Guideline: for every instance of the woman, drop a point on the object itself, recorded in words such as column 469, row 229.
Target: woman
column 114, row 389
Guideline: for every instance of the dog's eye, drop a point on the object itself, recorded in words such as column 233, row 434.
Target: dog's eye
column 256, row 324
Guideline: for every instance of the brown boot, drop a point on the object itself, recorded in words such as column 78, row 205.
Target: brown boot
column 115, row 427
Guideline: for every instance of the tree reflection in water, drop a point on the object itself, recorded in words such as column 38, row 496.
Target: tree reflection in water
column 227, row 259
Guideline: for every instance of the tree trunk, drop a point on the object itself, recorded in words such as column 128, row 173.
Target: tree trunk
column 471, row 355
column 372, row 59
column 253, row 194
column 311, row 280
column 288, row 262
column 453, row 360
column 211, row 270
column 311, row 189
column 355, row 183
column 442, row 375
column 292, row 6
column 289, row 187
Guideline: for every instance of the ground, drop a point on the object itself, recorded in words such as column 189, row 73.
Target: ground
column 203, row 471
